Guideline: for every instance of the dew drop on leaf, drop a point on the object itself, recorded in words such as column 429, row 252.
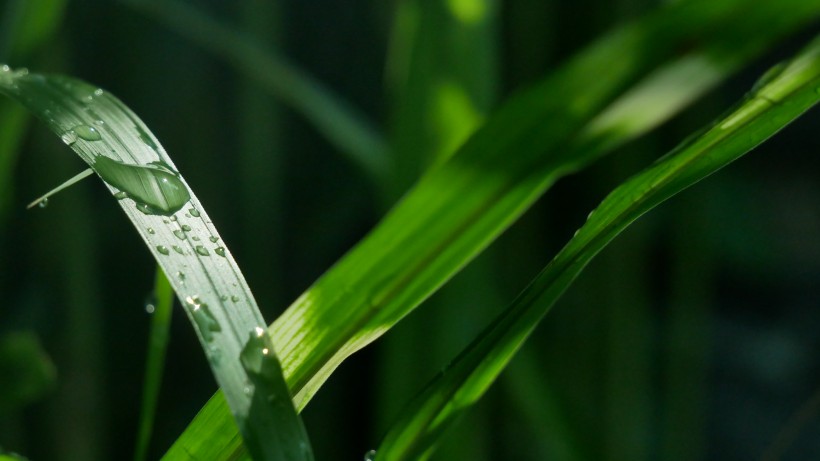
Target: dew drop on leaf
column 370, row 455
column 202, row 250
column 88, row 133
column 178, row 249
column 194, row 212
column 156, row 189
column 179, row 234
column 163, row 249
column 186, row 228
column 220, row 251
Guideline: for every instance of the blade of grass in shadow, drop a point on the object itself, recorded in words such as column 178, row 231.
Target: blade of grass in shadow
column 458, row 208
column 795, row 89
column 344, row 127
column 160, row 306
column 171, row 221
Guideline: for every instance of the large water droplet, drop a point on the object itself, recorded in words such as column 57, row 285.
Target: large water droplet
column 156, row 189
column 213, row 239
column 186, row 228
column 163, row 249
column 259, row 360
column 204, row 319
column 178, row 249
column 194, row 212
column 220, row 251
column 89, row 133
column 235, row 298
column 151, row 230
column 202, row 250
column 180, row 235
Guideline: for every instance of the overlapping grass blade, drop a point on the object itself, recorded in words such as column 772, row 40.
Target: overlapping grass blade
column 459, row 207
column 185, row 243
column 160, row 305
column 795, row 89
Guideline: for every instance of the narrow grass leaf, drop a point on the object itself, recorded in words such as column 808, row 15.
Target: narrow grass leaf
column 160, row 307
column 175, row 227
column 795, row 89
column 458, row 208
column 343, row 126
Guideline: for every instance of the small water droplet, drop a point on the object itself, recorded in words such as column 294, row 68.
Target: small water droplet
column 43, row 203
column 214, row 354
column 120, row 195
column 174, row 218
column 163, row 249
column 202, row 250
column 220, row 251
column 69, row 138
column 370, row 455
column 195, row 238
column 178, row 249
column 5, row 68
column 89, row 133
column 186, row 228
column 99, row 122
column 224, row 297
column 246, row 390
column 214, row 239
column 194, row 212
column 98, row 92
column 235, row 298
column 576, row 233
column 151, row 230
column 590, row 214
column 179, row 234
column 181, row 276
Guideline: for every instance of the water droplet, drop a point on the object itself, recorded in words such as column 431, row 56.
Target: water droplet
column 178, row 249
column 186, row 228
column 590, row 214
column 204, row 319
column 259, row 360
column 43, row 203
column 69, row 138
column 220, row 251
column 149, row 308
column 5, row 68
column 576, row 233
column 99, row 122
column 89, row 133
column 235, row 298
column 202, row 250
column 224, row 297
column 195, row 238
column 370, row 455
column 155, row 189
column 163, row 249
column 174, row 218
column 179, row 234
column 214, row 239
column 181, row 276
column 98, row 92
column 151, row 230
column 120, row 195
column 246, row 390
column 194, row 212
column 214, row 354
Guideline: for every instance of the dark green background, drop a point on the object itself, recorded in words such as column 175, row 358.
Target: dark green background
column 692, row 337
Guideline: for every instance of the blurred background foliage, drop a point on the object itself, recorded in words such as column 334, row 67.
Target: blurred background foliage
column 693, row 336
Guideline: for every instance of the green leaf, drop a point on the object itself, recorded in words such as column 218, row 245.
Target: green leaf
column 795, row 89
column 180, row 235
column 539, row 135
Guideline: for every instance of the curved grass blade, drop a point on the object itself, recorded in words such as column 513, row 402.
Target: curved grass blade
column 160, row 306
column 795, row 89
column 457, row 209
column 348, row 130
column 171, row 221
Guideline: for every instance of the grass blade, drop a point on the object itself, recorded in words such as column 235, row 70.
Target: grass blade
column 160, row 306
column 339, row 123
column 181, row 237
column 457, row 209
column 764, row 112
